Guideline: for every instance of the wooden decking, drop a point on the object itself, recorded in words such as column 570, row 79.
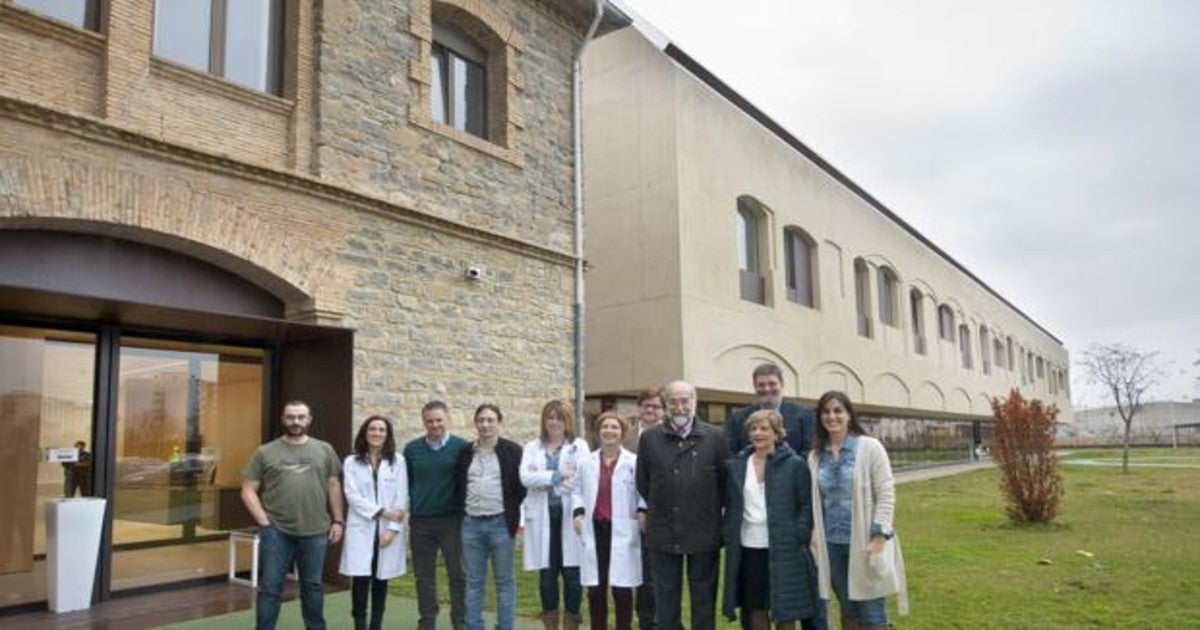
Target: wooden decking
column 146, row 610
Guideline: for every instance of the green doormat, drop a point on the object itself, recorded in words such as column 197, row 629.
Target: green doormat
column 401, row 613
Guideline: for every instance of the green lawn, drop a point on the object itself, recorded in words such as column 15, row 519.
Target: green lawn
column 969, row 568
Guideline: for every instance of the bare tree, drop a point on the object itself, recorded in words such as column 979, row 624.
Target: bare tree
column 1127, row 373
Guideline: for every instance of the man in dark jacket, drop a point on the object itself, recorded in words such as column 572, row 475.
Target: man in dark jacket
column 798, row 420
column 680, row 474
column 488, row 484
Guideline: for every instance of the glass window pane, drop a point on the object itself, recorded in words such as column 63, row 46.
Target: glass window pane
column 475, row 98
column 438, row 87
column 47, row 378
column 252, row 43
column 183, row 31
column 189, row 417
column 73, row 12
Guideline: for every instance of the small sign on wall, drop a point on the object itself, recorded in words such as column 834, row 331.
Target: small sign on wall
column 61, row 454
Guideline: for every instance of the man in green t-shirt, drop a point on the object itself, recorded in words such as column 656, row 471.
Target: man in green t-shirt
column 291, row 489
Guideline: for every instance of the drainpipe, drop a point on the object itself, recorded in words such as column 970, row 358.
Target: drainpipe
column 577, row 128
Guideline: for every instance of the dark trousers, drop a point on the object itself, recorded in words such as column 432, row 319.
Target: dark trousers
column 667, row 569
column 645, row 593
column 572, row 591
column 598, row 595
column 428, row 535
column 363, row 585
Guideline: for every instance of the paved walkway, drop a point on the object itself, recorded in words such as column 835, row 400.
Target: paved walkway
column 933, row 472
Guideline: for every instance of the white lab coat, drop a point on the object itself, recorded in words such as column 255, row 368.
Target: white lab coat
column 536, row 478
column 625, row 558
column 365, row 497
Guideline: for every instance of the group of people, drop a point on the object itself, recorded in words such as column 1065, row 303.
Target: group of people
column 803, row 508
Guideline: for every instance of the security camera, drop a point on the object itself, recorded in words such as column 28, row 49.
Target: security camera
column 473, row 273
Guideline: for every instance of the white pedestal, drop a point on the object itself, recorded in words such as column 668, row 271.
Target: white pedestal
column 72, row 546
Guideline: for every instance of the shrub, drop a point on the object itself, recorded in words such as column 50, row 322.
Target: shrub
column 1023, row 446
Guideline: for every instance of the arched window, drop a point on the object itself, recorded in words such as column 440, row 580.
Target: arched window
column 1009, row 354
column 889, row 297
column 917, row 303
column 1041, row 370
column 964, row 345
column 998, row 352
column 800, row 255
column 862, row 296
column 946, row 323
column 985, row 350
column 751, row 225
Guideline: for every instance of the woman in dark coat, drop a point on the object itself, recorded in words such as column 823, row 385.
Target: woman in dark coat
column 769, row 572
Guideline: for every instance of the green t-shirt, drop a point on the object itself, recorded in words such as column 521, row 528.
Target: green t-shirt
column 294, row 482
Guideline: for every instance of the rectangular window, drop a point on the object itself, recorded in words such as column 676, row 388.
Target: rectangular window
column 916, row 302
column 798, row 254
column 83, row 14
column 862, row 298
column 946, row 323
column 459, row 90
column 964, row 338
column 887, row 297
column 241, row 41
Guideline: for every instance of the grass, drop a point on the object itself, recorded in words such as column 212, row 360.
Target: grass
column 969, row 568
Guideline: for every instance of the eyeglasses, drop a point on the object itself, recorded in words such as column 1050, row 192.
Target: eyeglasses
column 650, row 406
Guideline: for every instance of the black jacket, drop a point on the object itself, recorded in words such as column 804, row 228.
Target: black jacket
column 683, row 482
column 799, row 423
column 509, row 455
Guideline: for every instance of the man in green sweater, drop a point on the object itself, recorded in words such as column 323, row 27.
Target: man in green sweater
column 435, row 515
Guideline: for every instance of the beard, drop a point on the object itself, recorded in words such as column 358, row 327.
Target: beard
column 770, row 402
column 295, row 430
column 680, row 421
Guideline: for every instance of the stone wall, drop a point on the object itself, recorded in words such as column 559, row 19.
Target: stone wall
column 327, row 195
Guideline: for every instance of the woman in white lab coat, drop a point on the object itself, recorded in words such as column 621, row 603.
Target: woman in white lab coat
column 373, row 550
column 606, row 503
column 548, row 467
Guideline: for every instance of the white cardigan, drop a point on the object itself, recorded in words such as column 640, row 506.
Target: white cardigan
column 874, row 502
column 536, row 478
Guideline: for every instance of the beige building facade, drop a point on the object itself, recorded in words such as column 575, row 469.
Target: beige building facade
column 716, row 240
column 207, row 209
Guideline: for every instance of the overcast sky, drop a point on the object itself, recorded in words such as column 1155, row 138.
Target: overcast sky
column 1048, row 145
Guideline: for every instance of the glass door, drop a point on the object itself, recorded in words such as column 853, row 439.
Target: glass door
column 189, row 416
column 47, row 388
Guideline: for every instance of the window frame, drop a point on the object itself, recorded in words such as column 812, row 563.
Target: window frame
column 964, row 346
column 916, row 305
column 450, row 44
column 946, row 327
column 750, row 232
column 888, row 283
column 91, row 14
column 862, row 298
column 804, row 294
column 277, row 47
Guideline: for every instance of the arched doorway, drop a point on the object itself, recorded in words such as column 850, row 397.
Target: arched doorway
column 161, row 372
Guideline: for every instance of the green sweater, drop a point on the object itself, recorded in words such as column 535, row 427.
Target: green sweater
column 431, row 477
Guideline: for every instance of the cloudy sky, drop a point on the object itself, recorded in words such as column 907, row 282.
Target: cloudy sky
column 1049, row 145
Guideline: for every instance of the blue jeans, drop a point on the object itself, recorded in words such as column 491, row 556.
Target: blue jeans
column 870, row 611
column 276, row 552
column 484, row 538
column 548, row 577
